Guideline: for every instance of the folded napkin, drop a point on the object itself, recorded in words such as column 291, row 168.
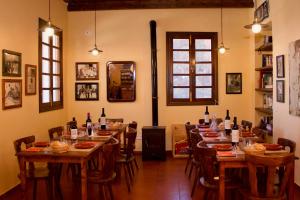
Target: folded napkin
column 225, row 153
column 34, row 149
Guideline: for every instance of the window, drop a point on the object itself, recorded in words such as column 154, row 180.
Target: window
column 192, row 68
column 50, row 70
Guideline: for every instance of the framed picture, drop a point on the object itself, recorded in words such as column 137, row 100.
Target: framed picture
column 262, row 12
column 280, row 90
column 11, row 93
column 86, row 91
column 280, row 66
column 11, row 63
column 87, row 71
column 30, row 79
column 233, row 83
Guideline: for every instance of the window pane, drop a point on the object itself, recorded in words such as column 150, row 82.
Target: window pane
column 180, row 43
column 56, row 41
column 203, row 44
column 45, row 37
column 45, row 96
column 56, row 95
column 181, row 56
column 45, row 51
column 55, row 54
column 56, row 68
column 203, row 80
column 45, row 81
column 56, row 82
column 181, row 93
column 181, row 80
column 45, row 66
column 203, row 93
column 203, row 56
column 203, row 69
column 180, row 68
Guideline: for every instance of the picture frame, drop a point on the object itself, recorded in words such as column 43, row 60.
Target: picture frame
column 234, row 83
column 280, row 66
column 86, row 91
column 30, row 79
column 262, row 12
column 87, row 71
column 11, row 63
column 121, row 81
column 280, row 93
column 11, row 93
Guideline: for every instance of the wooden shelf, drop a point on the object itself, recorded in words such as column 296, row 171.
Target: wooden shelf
column 267, row 111
column 265, row 90
column 265, row 47
column 264, row 68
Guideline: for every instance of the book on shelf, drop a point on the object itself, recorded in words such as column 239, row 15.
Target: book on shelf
column 267, row 60
column 267, row 80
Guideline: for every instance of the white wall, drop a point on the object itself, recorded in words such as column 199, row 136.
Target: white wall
column 285, row 17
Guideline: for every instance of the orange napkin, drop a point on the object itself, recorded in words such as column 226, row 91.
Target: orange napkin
column 34, row 149
column 205, row 129
column 225, row 153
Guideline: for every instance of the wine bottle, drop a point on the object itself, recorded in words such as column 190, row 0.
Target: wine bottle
column 235, row 133
column 103, row 120
column 89, row 124
column 73, row 127
column 206, row 116
column 227, row 123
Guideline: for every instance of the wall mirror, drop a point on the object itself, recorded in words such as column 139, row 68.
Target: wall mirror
column 120, row 81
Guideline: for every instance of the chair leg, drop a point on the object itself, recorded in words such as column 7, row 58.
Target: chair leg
column 135, row 162
column 187, row 163
column 191, row 170
column 195, row 181
column 49, row 188
column 111, row 195
column 131, row 167
column 126, row 177
column 34, row 189
column 129, row 172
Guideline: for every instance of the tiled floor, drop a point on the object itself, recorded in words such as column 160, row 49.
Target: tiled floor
column 154, row 181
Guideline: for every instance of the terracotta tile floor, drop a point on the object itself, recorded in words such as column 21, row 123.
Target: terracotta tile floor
column 154, row 181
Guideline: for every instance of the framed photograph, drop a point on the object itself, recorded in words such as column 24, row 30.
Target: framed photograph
column 11, row 63
column 280, row 66
column 11, row 93
column 262, row 12
column 86, row 91
column 233, row 83
column 280, row 90
column 87, row 71
column 30, row 79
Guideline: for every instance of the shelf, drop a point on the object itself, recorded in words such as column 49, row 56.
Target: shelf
column 267, row 111
column 265, row 90
column 265, row 47
column 264, row 69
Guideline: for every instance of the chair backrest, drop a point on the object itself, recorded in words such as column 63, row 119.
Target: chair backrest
column 246, row 125
column 196, row 151
column 133, row 124
column 271, row 164
column 55, row 132
column 131, row 136
column 287, row 143
column 260, row 133
column 110, row 152
column 28, row 141
column 121, row 120
column 195, row 138
column 208, row 162
column 188, row 128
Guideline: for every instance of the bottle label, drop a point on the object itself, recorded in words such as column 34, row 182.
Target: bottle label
column 235, row 136
column 206, row 118
column 88, row 125
column 73, row 133
column 227, row 124
column 102, row 121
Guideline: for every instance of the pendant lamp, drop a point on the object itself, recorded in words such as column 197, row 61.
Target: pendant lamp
column 222, row 49
column 95, row 51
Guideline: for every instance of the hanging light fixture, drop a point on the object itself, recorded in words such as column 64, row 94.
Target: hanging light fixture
column 222, row 49
column 256, row 26
column 49, row 29
column 95, row 51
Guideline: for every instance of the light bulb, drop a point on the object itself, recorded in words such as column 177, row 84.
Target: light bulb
column 222, row 50
column 95, row 52
column 49, row 31
column 256, row 27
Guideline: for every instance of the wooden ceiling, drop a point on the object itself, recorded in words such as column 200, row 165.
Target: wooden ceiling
column 84, row 5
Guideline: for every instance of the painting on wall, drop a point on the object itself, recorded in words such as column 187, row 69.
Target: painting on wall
column 233, row 83
column 30, row 79
column 86, row 91
column 11, row 63
column 11, row 93
column 280, row 66
column 87, row 71
column 280, row 91
column 294, row 64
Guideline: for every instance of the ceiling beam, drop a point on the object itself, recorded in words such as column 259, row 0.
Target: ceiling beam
column 87, row 5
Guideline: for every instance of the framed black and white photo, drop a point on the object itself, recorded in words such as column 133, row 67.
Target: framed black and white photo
column 87, row 71
column 280, row 91
column 86, row 91
column 11, row 93
column 262, row 12
column 11, row 63
column 280, row 66
column 30, row 79
column 233, row 83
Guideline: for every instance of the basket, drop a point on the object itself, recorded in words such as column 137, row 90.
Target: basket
column 59, row 147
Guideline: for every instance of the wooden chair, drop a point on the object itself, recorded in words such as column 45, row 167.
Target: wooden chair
column 260, row 133
column 246, row 125
column 188, row 128
column 55, row 132
column 107, row 174
column 125, row 160
column 287, row 143
column 195, row 139
column 133, row 125
column 32, row 173
column 266, row 190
